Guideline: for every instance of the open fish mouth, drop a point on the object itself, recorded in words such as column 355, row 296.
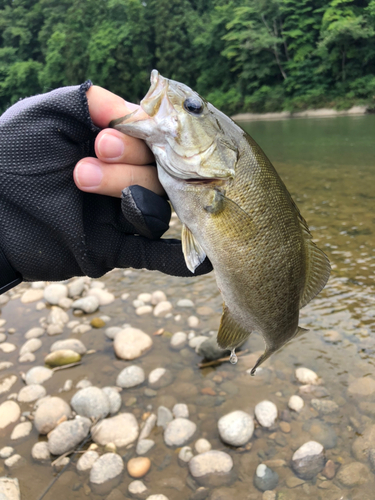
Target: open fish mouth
column 152, row 100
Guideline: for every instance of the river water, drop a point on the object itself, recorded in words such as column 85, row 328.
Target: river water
column 328, row 165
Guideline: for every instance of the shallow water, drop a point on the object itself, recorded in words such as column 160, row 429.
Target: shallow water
column 328, row 166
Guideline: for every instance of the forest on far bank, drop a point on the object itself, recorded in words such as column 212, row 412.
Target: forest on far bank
column 241, row 55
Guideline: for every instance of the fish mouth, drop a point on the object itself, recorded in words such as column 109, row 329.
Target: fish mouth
column 152, row 100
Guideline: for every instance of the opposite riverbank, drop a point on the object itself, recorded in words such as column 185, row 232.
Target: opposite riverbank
column 309, row 113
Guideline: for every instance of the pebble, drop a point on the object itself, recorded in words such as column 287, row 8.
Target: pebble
column 65, row 303
column 265, row 478
column 196, row 341
column 40, row 451
column 31, row 295
column 364, row 386
column 82, row 384
column 162, row 309
column 71, row 344
column 68, row 435
column 130, row 376
column 6, row 452
column 14, row 461
column 266, row 413
column 180, row 410
column 332, row 336
column 140, row 311
column 354, row 474
column 7, row 347
column 363, row 443
column 236, row 428
column 136, row 488
column 321, row 431
column 179, row 432
column 210, row 350
column 148, row 426
column 213, row 462
column 131, row 343
column 285, row 427
column 76, row 287
column 160, row 377
column 29, row 357
column 269, row 495
column 324, row 406
column 138, row 303
column 81, row 329
column 164, row 416
column 49, row 413
column 4, row 365
column 10, row 412
column 104, row 297
column 296, row 403
column 157, row 497
column 7, row 383
column 87, row 460
column 308, row 460
column 30, row 345
column 114, row 399
column 202, row 445
column 329, row 470
column 9, row 489
column 121, row 430
column 31, row 393
column 34, row 333
column 106, row 467
column 193, row 321
column 54, row 292
column 185, row 454
column 293, row 482
column 178, row 341
column 185, row 303
column 112, row 331
column 138, row 467
column 3, row 337
column 90, row 402
column 21, row 430
column 55, row 329
column 144, row 445
column 62, row 357
column 60, row 463
column 306, row 376
column 57, row 316
column 97, row 323
column 158, row 296
column 125, row 296
column 87, row 304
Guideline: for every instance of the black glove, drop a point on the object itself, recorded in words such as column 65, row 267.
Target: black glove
column 49, row 229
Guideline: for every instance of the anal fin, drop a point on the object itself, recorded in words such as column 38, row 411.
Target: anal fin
column 193, row 252
column 230, row 334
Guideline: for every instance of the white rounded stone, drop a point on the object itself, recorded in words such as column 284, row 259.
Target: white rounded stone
column 29, row 357
column 31, row 393
column 112, row 331
column 7, row 347
column 211, row 462
column 130, row 377
column 140, row 311
column 9, row 489
column 144, row 445
column 87, row 304
column 114, row 399
column 87, row 460
column 296, row 403
column 306, row 376
column 68, row 435
column 180, row 410
column 178, row 340
column 71, row 344
column 158, row 296
column 6, row 452
column 136, row 488
column 179, row 432
column 162, row 309
column 21, row 430
column 49, row 412
column 138, row 303
column 31, row 295
column 121, row 430
column 10, row 412
column 7, row 383
column 145, row 297
column 40, row 451
column 193, row 321
column 76, row 287
column 202, row 445
column 30, row 345
column 38, row 375
column 34, row 333
column 57, row 316
column 185, row 303
column 14, row 461
column 185, row 454
column 108, row 466
column 236, row 428
column 131, row 343
column 104, row 297
column 159, row 496
column 266, row 413
column 90, row 402
column 54, row 292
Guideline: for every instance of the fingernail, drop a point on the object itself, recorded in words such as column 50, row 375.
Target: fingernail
column 88, row 174
column 110, row 147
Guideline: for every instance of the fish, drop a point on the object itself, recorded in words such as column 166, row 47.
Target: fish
column 235, row 210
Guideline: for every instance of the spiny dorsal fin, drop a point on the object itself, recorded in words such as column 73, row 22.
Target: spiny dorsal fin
column 230, row 334
column 193, row 252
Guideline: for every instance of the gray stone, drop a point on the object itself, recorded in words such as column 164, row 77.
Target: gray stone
column 363, row 444
column 71, row 344
column 88, row 304
column 130, row 376
column 266, row 413
column 178, row 341
column 164, row 417
column 136, row 488
column 38, row 375
column 87, row 460
column 362, row 387
column 236, row 428
column 40, row 451
column 114, row 399
column 112, row 331
column 354, row 474
column 180, row 410
column 30, row 345
column 49, row 413
column 371, row 458
column 10, row 412
column 9, row 489
column 34, row 333
column 21, row 430
column 54, row 292
column 308, row 460
column 131, row 343
column 91, row 402
column 185, row 303
column 179, row 432
column 185, row 454
column 160, row 377
column 31, row 393
column 265, row 478
column 121, row 430
column 210, row 350
column 212, row 463
column 108, row 466
column 144, row 445
column 324, row 406
column 68, row 435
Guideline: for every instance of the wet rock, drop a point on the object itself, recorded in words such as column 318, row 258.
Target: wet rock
column 87, row 304
column 114, row 399
column 62, row 357
column 316, row 391
column 81, row 329
column 269, row 495
column 308, row 460
column 185, row 454
column 70, row 344
column 34, row 333
column 55, row 292
column 266, row 413
column 82, row 384
column 21, row 430
column 104, row 297
column 106, row 467
column 6, row 452
column 29, row 357
column 40, row 451
column 131, row 343
column 91, row 402
column 211, row 468
column 164, row 417
column 210, row 349
column 4, row 365
column 185, row 303
column 76, row 287
column 112, row 331
column 30, row 345
column 68, row 435
column 285, row 427
column 202, row 445
column 144, row 445
column 140, row 311
column 87, row 460
column 296, row 403
column 193, row 321
column 265, row 478
column 7, row 347
column 31, row 393
column 363, row 444
column 354, row 474
column 200, row 493
column 324, row 406
column 10, row 412
column 121, row 430
column 160, row 377
column 179, row 432
column 7, row 383
column 9, row 489
column 364, row 386
column 55, row 329
column 306, row 376
column 49, row 413
column 57, row 316
column 180, row 410
column 236, row 428
column 162, row 309
column 329, row 470
column 130, row 376
column 3, row 337
column 137, row 488
column 14, row 461
column 138, row 467
column 158, row 296
column 148, row 426
column 321, row 431
column 65, row 303
column 38, row 375
column 157, row 497
column 178, row 341
column 294, row 482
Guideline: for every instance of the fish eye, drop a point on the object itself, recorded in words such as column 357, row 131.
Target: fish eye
column 193, row 105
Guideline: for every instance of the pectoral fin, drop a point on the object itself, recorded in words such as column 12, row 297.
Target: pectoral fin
column 230, row 334
column 193, row 252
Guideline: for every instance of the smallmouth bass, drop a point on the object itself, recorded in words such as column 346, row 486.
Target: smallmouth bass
column 236, row 210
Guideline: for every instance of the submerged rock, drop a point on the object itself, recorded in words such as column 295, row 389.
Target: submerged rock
column 265, row 478
column 130, row 376
column 70, row 344
column 306, row 376
column 106, row 467
column 68, row 435
column 266, row 413
column 10, row 412
column 49, row 413
column 179, row 432
column 211, row 468
column 91, row 402
column 38, row 375
column 236, row 428
column 121, row 430
column 131, row 343
column 308, row 460
column 40, row 452
column 87, row 460
column 354, row 474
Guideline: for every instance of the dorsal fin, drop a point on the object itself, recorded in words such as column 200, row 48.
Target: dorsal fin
column 230, row 334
